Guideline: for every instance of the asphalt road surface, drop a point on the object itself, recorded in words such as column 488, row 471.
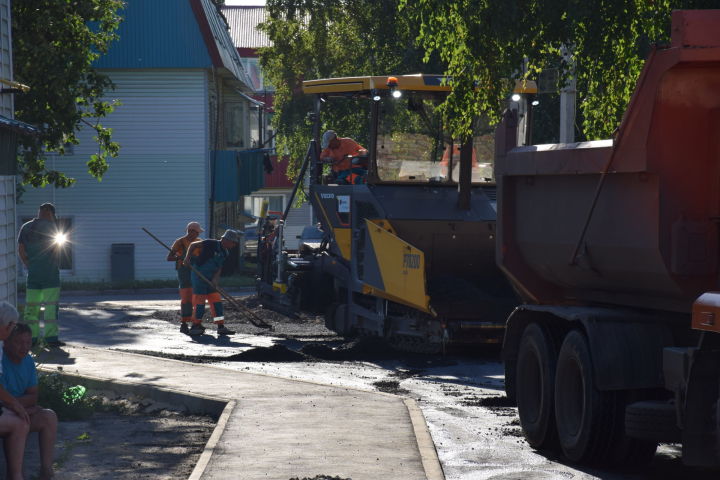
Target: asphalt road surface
column 476, row 433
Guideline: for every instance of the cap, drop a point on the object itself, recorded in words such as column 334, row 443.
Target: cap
column 194, row 226
column 48, row 206
column 231, row 235
column 327, row 136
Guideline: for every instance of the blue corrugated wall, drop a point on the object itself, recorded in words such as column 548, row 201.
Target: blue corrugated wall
column 157, row 34
column 236, row 173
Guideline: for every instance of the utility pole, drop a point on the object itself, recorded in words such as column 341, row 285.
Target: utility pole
column 567, row 101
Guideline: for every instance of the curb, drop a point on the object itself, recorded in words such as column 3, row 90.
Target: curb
column 212, row 442
column 196, row 404
column 426, row 446
column 190, row 402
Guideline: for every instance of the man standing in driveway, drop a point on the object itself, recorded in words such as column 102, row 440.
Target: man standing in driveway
column 39, row 253
column 177, row 254
column 207, row 258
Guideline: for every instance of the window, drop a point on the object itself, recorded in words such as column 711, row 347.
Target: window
column 235, row 125
column 254, row 203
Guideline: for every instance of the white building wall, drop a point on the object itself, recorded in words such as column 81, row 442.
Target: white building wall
column 159, row 181
column 8, row 255
column 8, row 250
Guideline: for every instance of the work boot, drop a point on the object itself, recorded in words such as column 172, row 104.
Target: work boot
column 196, row 329
column 184, row 328
column 223, row 330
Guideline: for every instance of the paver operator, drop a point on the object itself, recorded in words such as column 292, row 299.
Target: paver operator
column 207, row 257
column 339, row 152
column 39, row 250
column 177, row 254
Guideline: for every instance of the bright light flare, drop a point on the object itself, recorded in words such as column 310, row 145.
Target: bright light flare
column 515, row 97
column 396, row 93
column 535, row 103
column 60, row 238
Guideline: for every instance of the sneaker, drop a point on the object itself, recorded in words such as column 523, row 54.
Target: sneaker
column 196, row 329
column 223, row 330
column 184, row 328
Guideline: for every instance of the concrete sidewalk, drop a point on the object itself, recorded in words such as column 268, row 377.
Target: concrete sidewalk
column 275, row 428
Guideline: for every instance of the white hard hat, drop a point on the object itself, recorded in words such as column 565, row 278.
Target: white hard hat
column 327, row 136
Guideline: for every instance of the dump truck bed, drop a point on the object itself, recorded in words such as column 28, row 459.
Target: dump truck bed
column 649, row 199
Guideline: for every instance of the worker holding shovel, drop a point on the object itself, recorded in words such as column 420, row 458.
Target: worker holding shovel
column 207, row 258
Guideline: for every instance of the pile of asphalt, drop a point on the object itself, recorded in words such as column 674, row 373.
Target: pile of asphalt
column 276, row 353
column 238, row 319
column 390, row 386
column 320, row 477
column 361, row 349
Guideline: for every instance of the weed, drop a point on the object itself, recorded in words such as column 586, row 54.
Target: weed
column 70, row 402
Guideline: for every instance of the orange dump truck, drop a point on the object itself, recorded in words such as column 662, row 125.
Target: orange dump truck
column 613, row 246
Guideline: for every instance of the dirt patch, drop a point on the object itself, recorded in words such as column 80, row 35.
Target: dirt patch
column 135, row 441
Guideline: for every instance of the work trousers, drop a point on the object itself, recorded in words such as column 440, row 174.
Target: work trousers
column 45, row 299
column 216, row 307
column 186, row 304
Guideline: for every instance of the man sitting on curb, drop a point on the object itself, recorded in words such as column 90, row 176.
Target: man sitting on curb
column 20, row 380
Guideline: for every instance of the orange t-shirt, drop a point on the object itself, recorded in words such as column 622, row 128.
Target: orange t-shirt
column 339, row 155
column 180, row 248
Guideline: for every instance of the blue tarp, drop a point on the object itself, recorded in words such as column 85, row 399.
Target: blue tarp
column 236, row 174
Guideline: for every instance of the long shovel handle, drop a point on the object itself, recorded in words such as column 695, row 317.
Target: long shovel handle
column 254, row 319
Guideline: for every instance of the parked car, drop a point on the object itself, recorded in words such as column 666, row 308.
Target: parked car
column 250, row 241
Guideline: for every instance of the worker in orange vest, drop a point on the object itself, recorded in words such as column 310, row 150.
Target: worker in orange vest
column 340, row 152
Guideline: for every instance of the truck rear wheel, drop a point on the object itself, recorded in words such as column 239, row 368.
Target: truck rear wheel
column 535, row 385
column 584, row 427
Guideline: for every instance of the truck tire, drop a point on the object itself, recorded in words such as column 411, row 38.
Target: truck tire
column 583, row 415
column 655, row 421
column 535, row 385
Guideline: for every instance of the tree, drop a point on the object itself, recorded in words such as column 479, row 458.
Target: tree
column 486, row 43
column 332, row 38
column 54, row 46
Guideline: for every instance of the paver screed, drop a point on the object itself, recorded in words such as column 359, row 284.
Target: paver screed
column 279, row 428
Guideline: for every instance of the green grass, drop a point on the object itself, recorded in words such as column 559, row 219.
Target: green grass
column 245, row 280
